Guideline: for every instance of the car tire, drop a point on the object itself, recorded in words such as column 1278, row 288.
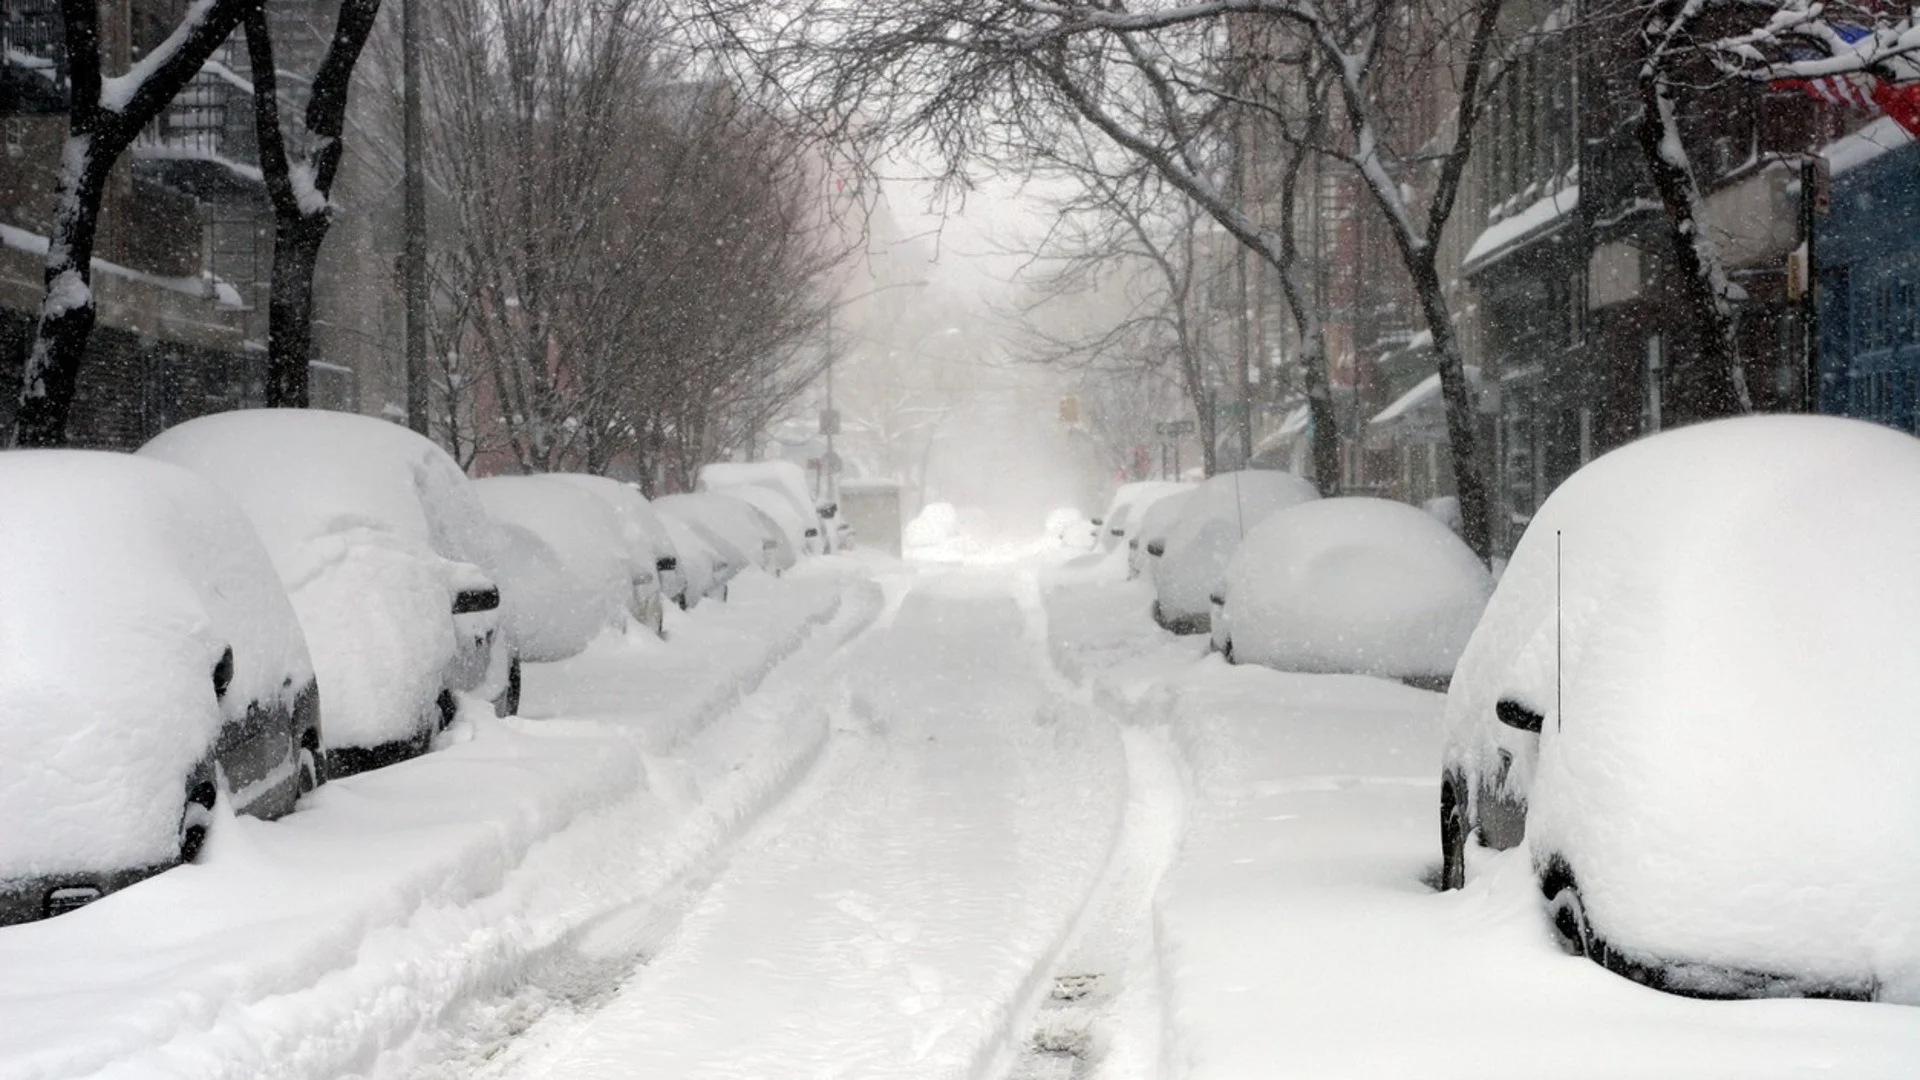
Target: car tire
column 196, row 820
column 508, row 703
column 307, row 772
column 1566, row 911
column 1453, row 834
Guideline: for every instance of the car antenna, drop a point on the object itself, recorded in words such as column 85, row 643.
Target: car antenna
column 1239, row 505
column 1559, row 710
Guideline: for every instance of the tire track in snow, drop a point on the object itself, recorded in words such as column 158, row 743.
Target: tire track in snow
column 1100, row 1015
column 745, row 757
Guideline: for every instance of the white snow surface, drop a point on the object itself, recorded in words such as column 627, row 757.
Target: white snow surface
column 565, row 564
column 373, row 530
column 1729, row 760
column 1356, row 585
column 936, row 523
column 122, row 582
column 410, row 920
column 1295, row 932
column 1210, row 525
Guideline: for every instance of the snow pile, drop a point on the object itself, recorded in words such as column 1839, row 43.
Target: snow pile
column 935, row 524
column 1069, row 527
column 374, row 531
column 122, row 583
column 1727, row 762
column 1209, row 527
column 1355, row 585
column 565, row 569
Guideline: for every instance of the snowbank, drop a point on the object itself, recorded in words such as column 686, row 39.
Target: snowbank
column 1355, row 585
column 374, row 530
column 936, row 523
column 1727, row 761
column 122, row 583
column 565, row 566
column 1209, row 527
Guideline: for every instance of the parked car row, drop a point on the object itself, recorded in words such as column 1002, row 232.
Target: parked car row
column 172, row 620
column 1690, row 695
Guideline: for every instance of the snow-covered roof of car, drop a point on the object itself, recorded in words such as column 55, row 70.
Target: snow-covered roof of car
column 122, row 582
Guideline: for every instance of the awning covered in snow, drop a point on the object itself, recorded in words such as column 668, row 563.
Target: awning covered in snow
column 1544, row 217
column 1420, row 404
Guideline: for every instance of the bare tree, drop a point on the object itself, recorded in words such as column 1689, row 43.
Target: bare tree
column 105, row 114
column 970, row 78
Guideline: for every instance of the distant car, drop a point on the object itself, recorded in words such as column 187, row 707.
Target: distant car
column 1128, row 508
column 651, row 550
column 1147, row 542
column 728, row 528
column 1693, row 695
column 750, row 529
column 1355, row 586
column 794, row 533
column 704, row 567
column 149, row 659
column 1207, row 529
column 789, row 482
column 387, row 555
column 565, row 562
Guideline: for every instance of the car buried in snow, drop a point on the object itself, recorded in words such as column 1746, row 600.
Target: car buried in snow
column 150, row 664
column 1351, row 585
column 387, row 555
column 651, row 553
column 1208, row 526
column 1691, row 697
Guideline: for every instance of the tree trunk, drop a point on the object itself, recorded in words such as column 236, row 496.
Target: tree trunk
column 67, row 316
column 1707, row 381
column 1463, row 435
column 296, row 251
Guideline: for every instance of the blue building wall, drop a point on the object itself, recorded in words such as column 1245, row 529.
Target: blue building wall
column 1867, row 249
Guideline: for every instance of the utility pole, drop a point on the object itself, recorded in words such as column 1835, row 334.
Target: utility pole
column 414, row 254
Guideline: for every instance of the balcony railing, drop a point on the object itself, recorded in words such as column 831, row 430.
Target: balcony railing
column 33, row 57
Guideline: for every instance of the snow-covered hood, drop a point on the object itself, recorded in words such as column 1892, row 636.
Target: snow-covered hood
column 1729, row 759
column 122, row 583
column 1357, row 585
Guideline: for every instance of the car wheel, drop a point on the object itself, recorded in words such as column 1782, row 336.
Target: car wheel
column 508, row 703
column 1453, row 834
column 196, row 819
column 307, row 769
column 1566, row 911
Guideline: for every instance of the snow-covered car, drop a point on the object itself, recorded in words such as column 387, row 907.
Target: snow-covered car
column 148, row 659
column 1128, row 508
column 1071, row 529
column 650, row 549
column 738, row 518
column 1694, row 689
column 704, row 567
column 793, row 532
column 387, row 555
column 1147, row 542
column 1357, row 586
column 786, row 480
column 565, row 564
column 1209, row 526
column 728, row 528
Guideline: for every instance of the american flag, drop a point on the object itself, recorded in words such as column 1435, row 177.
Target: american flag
column 1867, row 91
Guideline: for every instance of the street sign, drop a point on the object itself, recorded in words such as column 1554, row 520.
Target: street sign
column 1174, row 428
column 829, row 421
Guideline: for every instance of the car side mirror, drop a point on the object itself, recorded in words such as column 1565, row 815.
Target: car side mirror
column 1515, row 715
column 223, row 674
column 1096, row 521
column 469, row 601
column 665, row 563
column 1156, row 549
column 811, row 533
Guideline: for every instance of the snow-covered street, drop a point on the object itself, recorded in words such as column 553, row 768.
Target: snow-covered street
column 892, row 820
